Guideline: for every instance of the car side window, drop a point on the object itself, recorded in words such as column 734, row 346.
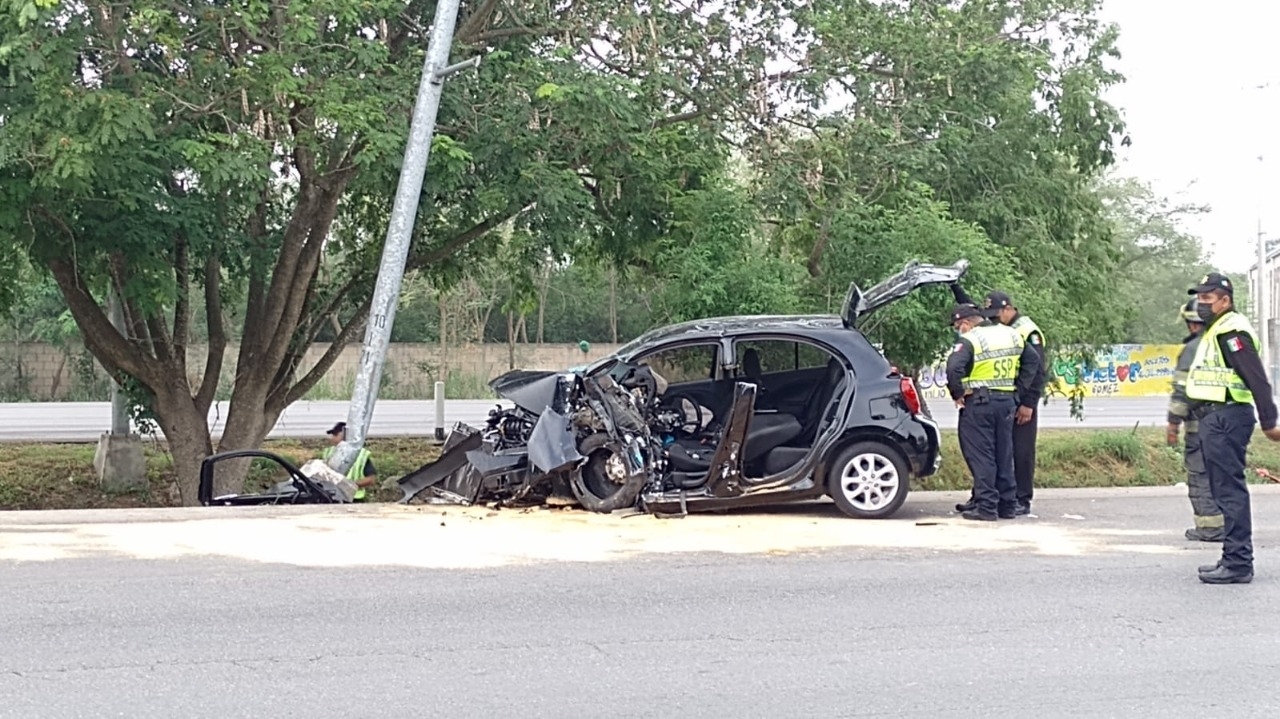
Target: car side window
column 779, row 356
column 690, row 363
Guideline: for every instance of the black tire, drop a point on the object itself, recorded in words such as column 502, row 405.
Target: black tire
column 591, row 485
column 857, row 478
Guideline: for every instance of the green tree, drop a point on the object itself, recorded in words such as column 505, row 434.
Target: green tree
column 197, row 153
column 1159, row 258
column 918, row 114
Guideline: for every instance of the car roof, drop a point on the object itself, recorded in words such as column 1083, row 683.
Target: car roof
column 739, row 324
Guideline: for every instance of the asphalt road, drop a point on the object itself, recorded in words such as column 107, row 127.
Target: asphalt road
column 86, row 421
column 1092, row 609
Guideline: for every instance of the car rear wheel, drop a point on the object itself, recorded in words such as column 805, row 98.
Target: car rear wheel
column 868, row 480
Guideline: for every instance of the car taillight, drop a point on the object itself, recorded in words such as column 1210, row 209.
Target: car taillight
column 910, row 395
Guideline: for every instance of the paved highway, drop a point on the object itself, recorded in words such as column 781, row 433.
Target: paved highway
column 85, row 421
column 1092, row 610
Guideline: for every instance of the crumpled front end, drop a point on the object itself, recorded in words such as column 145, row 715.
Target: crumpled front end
column 567, row 437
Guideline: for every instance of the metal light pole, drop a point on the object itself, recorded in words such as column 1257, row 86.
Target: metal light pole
column 119, row 404
column 395, row 251
column 1264, row 307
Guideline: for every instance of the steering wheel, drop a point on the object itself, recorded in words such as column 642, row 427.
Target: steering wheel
column 675, row 400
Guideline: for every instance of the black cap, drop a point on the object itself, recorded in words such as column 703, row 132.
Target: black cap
column 338, row 428
column 961, row 312
column 1211, row 282
column 997, row 301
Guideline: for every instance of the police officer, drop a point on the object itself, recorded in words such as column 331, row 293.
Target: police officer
column 1026, row 426
column 987, row 369
column 1226, row 380
column 1208, row 518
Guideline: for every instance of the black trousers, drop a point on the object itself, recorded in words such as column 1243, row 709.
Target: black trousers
column 1224, row 438
column 1024, row 456
column 986, row 441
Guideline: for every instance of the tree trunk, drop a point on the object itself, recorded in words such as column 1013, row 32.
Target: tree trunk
column 542, row 301
column 613, row 304
column 186, row 432
column 444, row 339
column 511, row 339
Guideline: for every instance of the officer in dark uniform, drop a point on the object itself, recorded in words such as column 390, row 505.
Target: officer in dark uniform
column 1026, row 425
column 989, row 367
column 1208, row 517
column 1225, row 382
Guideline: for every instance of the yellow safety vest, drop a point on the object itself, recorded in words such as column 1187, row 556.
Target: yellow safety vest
column 997, row 350
column 1211, row 378
column 356, row 473
column 1025, row 326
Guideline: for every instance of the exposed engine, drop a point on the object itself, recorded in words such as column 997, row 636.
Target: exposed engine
column 596, row 440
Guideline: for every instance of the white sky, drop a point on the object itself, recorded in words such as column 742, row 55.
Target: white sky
column 1198, row 125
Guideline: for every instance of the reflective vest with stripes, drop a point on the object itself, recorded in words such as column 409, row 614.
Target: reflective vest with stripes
column 1211, row 379
column 356, row 473
column 997, row 352
column 1025, row 326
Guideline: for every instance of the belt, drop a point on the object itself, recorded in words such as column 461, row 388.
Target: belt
column 1201, row 411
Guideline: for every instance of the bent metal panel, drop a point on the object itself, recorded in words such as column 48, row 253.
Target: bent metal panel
column 1117, row 371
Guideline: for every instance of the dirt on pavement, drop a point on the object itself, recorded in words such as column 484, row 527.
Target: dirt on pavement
column 1068, row 522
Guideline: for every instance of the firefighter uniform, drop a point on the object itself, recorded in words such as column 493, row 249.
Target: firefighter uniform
column 1226, row 379
column 1208, row 518
column 986, row 370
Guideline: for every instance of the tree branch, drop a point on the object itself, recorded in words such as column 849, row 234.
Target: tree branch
column 182, row 306
column 502, row 33
column 462, row 239
column 308, row 381
column 217, row 335
column 331, row 310
column 293, row 294
column 469, row 32
column 138, row 332
column 117, row 354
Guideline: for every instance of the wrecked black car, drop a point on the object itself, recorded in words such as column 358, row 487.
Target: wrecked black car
column 710, row 414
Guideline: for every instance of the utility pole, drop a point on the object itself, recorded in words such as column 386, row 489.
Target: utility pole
column 119, row 405
column 395, row 251
column 1264, row 335
column 119, row 460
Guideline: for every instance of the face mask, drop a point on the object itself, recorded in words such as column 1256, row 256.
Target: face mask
column 1205, row 312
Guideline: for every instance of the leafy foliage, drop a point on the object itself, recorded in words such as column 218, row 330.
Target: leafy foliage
column 228, row 172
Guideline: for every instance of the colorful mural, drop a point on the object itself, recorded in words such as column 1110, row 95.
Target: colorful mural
column 1118, row 371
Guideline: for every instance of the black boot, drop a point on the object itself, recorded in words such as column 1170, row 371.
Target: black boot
column 1205, row 534
column 978, row 516
column 967, row 506
column 1226, row 575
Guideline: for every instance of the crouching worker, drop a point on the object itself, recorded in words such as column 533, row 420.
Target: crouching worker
column 1208, row 517
column 362, row 471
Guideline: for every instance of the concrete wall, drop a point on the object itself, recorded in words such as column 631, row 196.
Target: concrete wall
column 47, row 372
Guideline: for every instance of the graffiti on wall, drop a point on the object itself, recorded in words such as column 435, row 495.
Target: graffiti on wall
column 1118, row 371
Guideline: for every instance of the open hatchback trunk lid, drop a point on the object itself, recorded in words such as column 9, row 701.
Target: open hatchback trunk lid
column 859, row 304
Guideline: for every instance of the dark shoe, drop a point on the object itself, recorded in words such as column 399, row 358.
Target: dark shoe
column 1023, row 509
column 1204, row 534
column 1206, row 568
column 1008, row 512
column 977, row 516
column 966, row 507
column 1224, row 575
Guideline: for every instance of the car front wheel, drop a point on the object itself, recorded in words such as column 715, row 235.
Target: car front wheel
column 868, row 480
